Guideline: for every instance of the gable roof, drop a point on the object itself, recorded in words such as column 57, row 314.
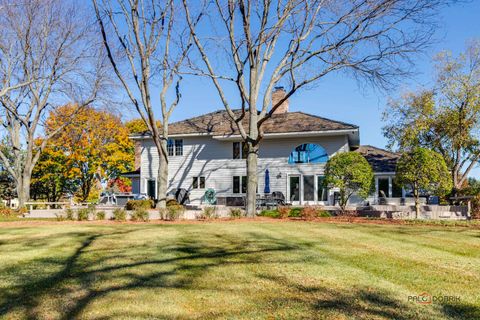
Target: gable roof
column 381, row 160
column 220, row 123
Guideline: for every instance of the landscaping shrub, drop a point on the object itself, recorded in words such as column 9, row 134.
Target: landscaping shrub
column 174, row 212
column 475, row 207
column 139, row 204
column 208, row 213
column 69, row 214
column 324, row 214
column 60, row 216
column 140, row 215
column 309, row 212
column 82, row 214
column 119, row 215
column 295, row 212
column 6, row 212
column 22, row 210
column 283, row 211
column 172, row 202
column 236, row 213
column 270, row 213
column 100, row 215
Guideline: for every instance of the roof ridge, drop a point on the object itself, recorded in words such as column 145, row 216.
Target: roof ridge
column 378, row 148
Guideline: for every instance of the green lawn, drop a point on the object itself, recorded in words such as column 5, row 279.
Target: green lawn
column 245, row 270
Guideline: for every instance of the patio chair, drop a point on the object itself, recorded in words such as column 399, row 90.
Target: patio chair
column 382, row 200
column 182, row 196
column 280, row 198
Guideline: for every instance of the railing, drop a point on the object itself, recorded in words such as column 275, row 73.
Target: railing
column 48, row 205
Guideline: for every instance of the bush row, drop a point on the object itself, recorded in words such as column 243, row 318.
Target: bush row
column 8, row 213
column 211, row 213
column 307, row 212
column 139, row 204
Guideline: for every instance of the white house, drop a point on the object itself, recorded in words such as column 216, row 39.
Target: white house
column 206, row 152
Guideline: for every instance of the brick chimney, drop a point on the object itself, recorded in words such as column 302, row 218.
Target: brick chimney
column 138, row 154
column 277, row 95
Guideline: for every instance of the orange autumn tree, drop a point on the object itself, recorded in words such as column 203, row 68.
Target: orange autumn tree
column 51, row 176
column 96, row 146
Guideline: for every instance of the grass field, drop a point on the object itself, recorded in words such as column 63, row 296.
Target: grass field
column 244, row 270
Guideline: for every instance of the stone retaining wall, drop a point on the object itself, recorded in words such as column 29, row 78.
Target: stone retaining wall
column 189, row 213
column 408, row 212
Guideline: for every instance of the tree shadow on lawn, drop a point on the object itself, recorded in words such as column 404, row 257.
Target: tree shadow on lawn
column 27, row 297
column 186, row 260
column 361, row 303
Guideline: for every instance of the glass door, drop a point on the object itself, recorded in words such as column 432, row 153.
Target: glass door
column 308, row 190
column 322, row 191
column 294, row 189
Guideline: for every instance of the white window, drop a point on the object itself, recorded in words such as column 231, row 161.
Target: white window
column 239, row 184
column 240, row 150
column 175, row 147
column 322, row 190
column 178, row 147
column 198, row 183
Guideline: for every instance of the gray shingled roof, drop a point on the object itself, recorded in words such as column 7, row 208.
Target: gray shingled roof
column 219, row 123
column 381, row 160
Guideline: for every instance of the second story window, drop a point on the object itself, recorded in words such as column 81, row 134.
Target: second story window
column 179, row 147
column 240, row 150
column 170, row 147
column 175, row 147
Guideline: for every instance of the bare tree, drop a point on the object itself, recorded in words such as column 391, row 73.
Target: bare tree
column 48, row 59
column 296, row 43
column 146, row 47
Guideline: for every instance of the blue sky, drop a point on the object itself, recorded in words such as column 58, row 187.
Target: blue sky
column 340, row 98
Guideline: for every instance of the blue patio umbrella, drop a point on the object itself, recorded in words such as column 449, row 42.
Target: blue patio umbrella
column 267, row 182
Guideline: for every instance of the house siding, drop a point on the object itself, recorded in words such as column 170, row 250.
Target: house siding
column 211, row 158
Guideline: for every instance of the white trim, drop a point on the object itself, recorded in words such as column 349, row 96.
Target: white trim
column 236, row 137
column 301, row 200
column 294, row 134
column 178, row 135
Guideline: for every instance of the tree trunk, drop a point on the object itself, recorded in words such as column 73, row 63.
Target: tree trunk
column 162, row 177
column 343, row 201
column 23, row 189
column 417, row 204
column 252, row 180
